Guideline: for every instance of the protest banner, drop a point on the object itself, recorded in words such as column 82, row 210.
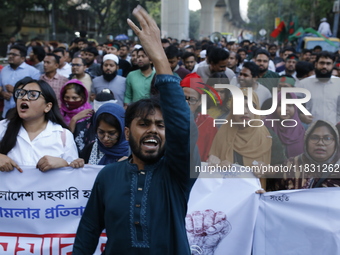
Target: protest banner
column 298, row 222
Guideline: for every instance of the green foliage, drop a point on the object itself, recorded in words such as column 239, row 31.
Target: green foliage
column 194, row 24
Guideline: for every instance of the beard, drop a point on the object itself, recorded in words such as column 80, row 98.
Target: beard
column 263, row 70
column 145, row 157
column 144, row 67
column 321, row 75
column 109, row 76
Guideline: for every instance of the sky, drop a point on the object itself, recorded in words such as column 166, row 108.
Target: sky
column 195, row 5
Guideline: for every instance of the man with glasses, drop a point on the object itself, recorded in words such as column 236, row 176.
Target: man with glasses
column 193, row 89
column 12, row 73
column 78, row 72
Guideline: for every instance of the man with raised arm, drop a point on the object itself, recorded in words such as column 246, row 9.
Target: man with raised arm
column 141, row 202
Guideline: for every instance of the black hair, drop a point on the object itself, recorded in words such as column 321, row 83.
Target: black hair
column 171, row 52
column 262, row 51
column 254, row 69
column 317, row 47
column 141, row 49
column 82, row 60
column 39, row 52
column 302, row 68
column 272, row 46
column 59, row 50
column 217, row 54
column 165, row 41
column 92, row 50
column 241, row 50
column 83, row 40
column 325, row 54
column 110, row 120
column 15, row 122
column 304, row 51
column 125, row 45
column 141, row 109
column 289, row 49
column 188, row 54
column 56, row 57
column 21, row 48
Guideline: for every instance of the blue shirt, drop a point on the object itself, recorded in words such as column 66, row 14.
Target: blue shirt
column 143, row 211
column 10, row 76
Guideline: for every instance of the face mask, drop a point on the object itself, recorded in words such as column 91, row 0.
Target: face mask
column 74, row 105
column 100, row 52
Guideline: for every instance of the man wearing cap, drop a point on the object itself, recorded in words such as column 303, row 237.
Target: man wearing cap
column 286, row 81
column 124, row 65
column 324, row 28
column 290, row 64
column 110, row 79
column 93, row 69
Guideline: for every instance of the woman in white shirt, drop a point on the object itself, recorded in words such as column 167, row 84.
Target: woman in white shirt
column 34, row 133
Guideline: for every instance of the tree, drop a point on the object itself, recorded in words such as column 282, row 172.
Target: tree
column 194, row 24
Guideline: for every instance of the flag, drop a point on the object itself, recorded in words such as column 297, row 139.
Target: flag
column 298, row 33
column 281, row 28
column 312, row 31
column 293, row 25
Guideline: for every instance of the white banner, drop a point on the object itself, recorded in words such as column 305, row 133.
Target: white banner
column 40, row 212
column 298, row 222
column 221, row 215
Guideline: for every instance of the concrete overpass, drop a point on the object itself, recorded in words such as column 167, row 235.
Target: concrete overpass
column 216, row 16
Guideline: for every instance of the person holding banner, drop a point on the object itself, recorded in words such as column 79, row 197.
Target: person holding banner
column 142, row 202
column 34, row 133
column 319, row 165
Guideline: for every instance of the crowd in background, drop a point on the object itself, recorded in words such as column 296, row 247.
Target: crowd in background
column 94, row 83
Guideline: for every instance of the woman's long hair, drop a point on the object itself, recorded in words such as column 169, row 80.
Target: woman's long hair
column 15, row 122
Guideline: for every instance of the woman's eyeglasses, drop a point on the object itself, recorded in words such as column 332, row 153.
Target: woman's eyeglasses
column 191, row 100
column 31, row 94
column 110, row 135
column 327, row 140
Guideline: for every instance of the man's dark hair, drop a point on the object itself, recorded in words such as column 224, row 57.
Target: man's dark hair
column 254, row 69
column 188, row 54
column 273, row 45
column 92, row 50
column 304, row 51
column 39, row 52
column 165, row 41
column 231, row 43
column 289, row 49
column 126, row 46
column 82, row 33
column 171, row 52
column 56, row 57
column 317, row 47
column 302, row 68
column 141, row 49
column 217, row 54
column 325, row 54
column 141, row 109
column 21, row 48
column 262, row 51
column 241, row 50
column 82, row 60
column 62, row 50
column 84, row 40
